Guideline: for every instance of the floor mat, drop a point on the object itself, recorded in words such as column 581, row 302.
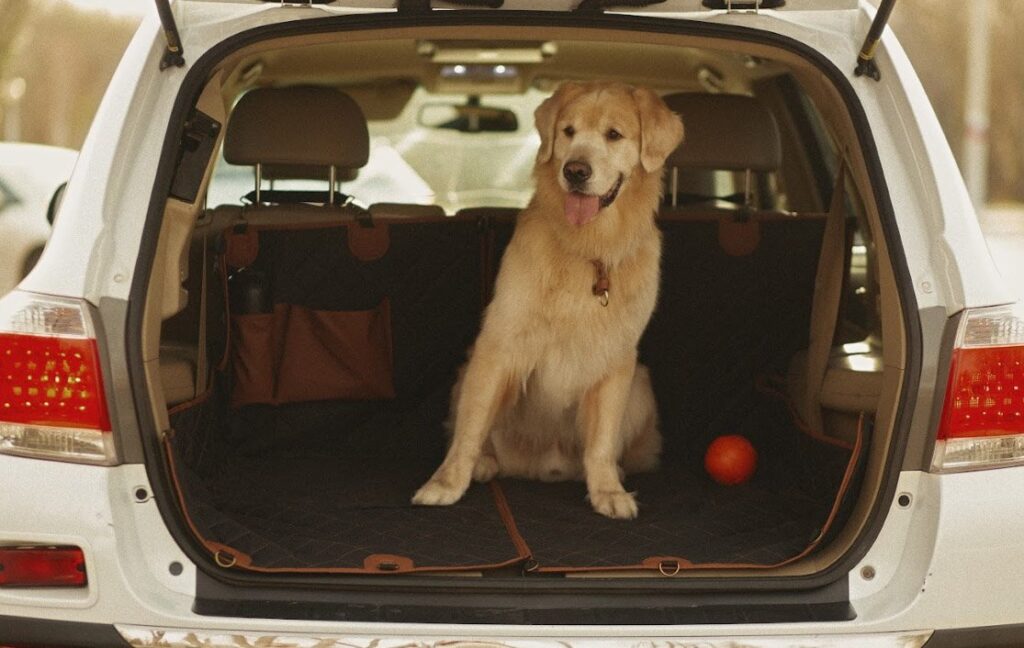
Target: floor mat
column 687, row 518
column 342, row 514
column 320, row 508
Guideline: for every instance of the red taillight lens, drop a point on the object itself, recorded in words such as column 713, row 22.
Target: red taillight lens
column 982, row 424
column 51, row 381
column 985, row 396
column 52, row 404
column 42, row 567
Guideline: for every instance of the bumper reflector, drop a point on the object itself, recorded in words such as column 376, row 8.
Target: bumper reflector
column 42, row 567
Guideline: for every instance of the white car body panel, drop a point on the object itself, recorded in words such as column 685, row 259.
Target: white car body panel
column 966, row 573
column 926, row 564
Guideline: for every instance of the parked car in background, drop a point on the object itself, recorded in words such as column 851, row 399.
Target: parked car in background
column 215, row 408
column 29, row 177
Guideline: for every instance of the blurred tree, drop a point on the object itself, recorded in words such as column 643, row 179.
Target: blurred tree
column 13, row 15
column 66, row 56
column 934, row 36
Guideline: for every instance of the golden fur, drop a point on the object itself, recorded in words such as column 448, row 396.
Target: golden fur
column 552, row 389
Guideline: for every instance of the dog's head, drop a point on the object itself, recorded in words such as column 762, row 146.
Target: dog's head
column 597, row 137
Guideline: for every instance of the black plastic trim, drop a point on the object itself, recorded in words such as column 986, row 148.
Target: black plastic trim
column 1002, row 636
column 921, row 447
column 58, row 634
column 490, row 603
column 157, row 467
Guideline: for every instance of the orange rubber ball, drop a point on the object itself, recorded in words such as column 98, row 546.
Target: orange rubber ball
column 730, row 460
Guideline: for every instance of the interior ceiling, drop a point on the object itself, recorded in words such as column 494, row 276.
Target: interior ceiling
column 347, row 64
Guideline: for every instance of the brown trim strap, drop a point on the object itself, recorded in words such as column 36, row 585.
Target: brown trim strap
column 505, row 511
column 763, row 385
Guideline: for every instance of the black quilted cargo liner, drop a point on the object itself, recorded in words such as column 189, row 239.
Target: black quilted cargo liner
column 689, row 521
column 325, row 485
column 317, row 506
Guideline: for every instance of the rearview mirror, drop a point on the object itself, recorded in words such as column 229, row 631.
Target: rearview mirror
column 468, row 118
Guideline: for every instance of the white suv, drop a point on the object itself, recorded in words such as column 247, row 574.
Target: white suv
column 215, row 408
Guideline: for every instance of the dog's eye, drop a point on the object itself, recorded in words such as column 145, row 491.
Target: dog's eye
column 613, row 135
column 569, row 131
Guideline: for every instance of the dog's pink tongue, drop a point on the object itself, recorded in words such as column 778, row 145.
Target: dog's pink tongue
column 580, row 208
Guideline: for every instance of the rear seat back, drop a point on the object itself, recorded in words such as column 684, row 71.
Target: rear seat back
column 723, row 133
column 338, row 302
column 737, row 280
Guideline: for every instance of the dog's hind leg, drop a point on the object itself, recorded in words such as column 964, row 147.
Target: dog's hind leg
column 600, row 417
column 487, row 386
column 642, row 450
column 486, row 467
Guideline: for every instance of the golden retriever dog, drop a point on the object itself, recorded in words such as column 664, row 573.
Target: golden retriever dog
column 552, row 389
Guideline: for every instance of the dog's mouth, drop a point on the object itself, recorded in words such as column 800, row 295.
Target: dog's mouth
column 581, row 208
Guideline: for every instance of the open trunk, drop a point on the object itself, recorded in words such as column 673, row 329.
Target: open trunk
column 308, row 373
column 330, row 408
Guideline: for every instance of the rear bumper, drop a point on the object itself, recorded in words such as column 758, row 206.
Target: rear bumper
column 954, row 572
column 46, row 632
column 89, row 635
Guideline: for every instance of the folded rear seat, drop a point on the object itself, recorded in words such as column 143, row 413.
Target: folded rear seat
column 774, row 260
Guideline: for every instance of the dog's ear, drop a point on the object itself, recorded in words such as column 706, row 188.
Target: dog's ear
column 546, row 116
column 661, row 130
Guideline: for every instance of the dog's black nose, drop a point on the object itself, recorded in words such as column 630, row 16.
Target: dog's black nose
column 576, row 172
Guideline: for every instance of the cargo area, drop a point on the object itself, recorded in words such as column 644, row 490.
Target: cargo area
column 279, row 470
column 307, row 371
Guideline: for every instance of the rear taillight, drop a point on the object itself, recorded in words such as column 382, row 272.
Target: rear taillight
column 42, row 567
column 982, row 424
column 52, row 404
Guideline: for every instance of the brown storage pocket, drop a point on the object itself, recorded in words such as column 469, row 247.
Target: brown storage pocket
column 253, row 351
column 298, row 354
column 336, row 355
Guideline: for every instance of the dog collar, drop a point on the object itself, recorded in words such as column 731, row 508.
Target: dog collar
column 603, row 284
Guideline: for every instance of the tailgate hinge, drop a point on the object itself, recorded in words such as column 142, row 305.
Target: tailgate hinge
column 174, row 54
column 866, row 57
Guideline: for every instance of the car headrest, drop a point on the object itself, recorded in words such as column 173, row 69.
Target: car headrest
column 727, row 132
column 297, row 126
column 306, row 172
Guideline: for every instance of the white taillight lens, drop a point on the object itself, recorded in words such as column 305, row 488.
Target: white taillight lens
column 982, row 424
column 52, row 404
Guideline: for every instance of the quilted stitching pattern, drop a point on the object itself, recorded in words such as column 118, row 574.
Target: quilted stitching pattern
column 333, row 512
column 683, row 513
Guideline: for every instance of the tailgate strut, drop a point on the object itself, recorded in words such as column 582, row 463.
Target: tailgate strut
column 866, row 58
column 174, row 53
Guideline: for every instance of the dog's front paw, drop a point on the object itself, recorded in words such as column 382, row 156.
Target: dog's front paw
column 619, row 505
column 437, row 493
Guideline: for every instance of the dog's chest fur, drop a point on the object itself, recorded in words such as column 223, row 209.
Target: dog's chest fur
column 563, row 339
